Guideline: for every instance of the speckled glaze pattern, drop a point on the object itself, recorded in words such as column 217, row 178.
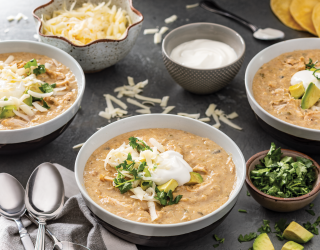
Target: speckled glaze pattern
column 203, row 81
column 99, row 54
column 275, row 203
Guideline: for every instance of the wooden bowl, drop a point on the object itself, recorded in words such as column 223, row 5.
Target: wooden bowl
column 275, row 203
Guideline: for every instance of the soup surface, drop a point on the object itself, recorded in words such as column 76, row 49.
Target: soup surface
column 59, row 102
column 203, row 155
column 271, row 88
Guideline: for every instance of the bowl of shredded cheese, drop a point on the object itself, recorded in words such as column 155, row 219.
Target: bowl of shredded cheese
column 97, row 34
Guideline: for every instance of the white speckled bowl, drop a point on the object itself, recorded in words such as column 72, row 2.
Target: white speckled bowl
column 160, row 235
column 99, row 54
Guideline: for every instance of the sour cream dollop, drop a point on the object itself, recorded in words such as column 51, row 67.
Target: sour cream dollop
column 172, row 166
column 268, row 34
column 203, row 54
column 306, row 77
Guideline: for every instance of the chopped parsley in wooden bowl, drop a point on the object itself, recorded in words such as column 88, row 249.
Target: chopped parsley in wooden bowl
column 282, row 180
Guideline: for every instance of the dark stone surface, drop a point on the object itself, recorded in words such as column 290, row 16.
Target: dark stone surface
column 145, row 62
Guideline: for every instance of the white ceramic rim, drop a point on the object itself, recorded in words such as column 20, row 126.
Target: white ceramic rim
column 79, row 96
column 210, row 24
column 235, row 192
column 250, row 96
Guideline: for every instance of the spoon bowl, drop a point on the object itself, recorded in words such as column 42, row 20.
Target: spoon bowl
column 260, row 34
column 44, row 197
column 12, row 205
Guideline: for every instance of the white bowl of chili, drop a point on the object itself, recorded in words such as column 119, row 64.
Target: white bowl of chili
column 159, row 234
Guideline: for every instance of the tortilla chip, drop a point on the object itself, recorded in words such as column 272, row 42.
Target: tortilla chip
column 281, row 8
column 316, row 18
column 301, row 10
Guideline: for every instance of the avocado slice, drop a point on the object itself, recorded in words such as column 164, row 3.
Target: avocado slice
column 7, row 111
column 310, row 97
column 169, row 185
column 297, row 233
column 297, row 90
column 195, row 178
column 263, row 242
column 291, row 245
column 146, row 184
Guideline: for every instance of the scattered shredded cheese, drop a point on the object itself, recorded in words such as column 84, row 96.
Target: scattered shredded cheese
column 136, row 103
column 21, row 115
column 228, row 122
column 171, row 19
column 163, row 30
column 130, row 81
column 194, row 116
column 232, row 115
column 157, row 38
column 168, row 109
column 150, row 31
column 144, row 98
column 164, row 101
column 210, row 109
column 206, row 119
column 148, row 102
column 117, row 101
column 39, row 107
column 192, row 5
column 9, row 59
column 143, row 111
column 152, row 210
column 78, row 145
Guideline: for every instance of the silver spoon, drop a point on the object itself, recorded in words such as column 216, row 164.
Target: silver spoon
column 261, row 34
column 12, row 205
column 59, row 245
column 44, row 197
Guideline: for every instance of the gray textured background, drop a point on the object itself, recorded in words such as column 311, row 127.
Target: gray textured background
column 145, row 62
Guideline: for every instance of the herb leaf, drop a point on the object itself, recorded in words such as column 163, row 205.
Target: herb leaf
column 248, row 194
column 311, row 212
column 47, row 88
column 247, row 237
column 280, row 226
column 220, row 240
column 265, row 228
column 40, row 70
column 33, row 63
column 138, row 144
column 163, row 197
column 310, row 65
column 242, row 211
column 45, row 104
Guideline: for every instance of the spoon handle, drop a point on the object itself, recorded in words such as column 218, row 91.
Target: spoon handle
column 213, row 7
column 25, row 237
column 40, row 235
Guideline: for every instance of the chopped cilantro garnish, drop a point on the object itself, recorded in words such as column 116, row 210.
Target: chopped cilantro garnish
column 37, row 71
column 248, row 194
column 163, row 197
column 265, row 228
column 220, row 240
column 311, row 212
column 47, row 88
column 310, row 65
column 138, row 144
column 247, row 237
column 242, row 211
column 280, row 226
column 215, row 245
column 312, row 227
column 282, row 176
column 311, row 205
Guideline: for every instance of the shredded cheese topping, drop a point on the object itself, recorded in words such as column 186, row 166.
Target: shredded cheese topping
column 88, row 23
column 171, row 19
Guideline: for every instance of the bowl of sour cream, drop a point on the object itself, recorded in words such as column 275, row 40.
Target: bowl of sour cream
column 203, row 57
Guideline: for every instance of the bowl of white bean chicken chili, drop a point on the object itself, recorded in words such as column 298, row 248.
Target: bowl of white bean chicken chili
column 41, row 88
column 160, row 180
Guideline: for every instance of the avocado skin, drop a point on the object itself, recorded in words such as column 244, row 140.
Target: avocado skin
column 263, row 242
column 195, row 178
column 297, row 233
column 291, row 245
column 7, row 111
column 311, row 96
column 169, row 185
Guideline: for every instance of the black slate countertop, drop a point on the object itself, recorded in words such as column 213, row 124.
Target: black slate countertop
column 145, row 62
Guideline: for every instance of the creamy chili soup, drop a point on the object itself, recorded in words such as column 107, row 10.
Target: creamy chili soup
column 33, row 89
column 281, row 87
column 189, row 155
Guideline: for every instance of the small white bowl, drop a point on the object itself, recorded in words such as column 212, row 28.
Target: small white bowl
column 99, row 54
column 45, row 129
column 153, row 234
column 301, row 138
